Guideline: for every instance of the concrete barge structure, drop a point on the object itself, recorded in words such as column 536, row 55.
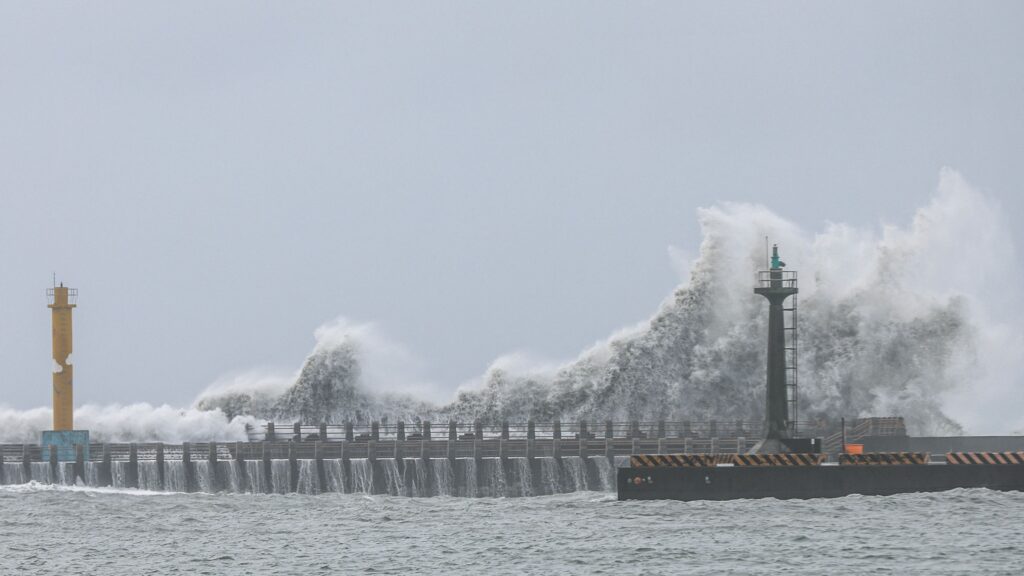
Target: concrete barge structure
column 995, row 471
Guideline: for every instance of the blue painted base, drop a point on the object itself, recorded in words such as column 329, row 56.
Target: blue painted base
column 65, row 441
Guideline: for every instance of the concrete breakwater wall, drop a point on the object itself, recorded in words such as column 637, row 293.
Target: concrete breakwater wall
column 484, row 468
column 464, row 477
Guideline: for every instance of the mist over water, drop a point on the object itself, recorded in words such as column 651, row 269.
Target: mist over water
column 922, row 321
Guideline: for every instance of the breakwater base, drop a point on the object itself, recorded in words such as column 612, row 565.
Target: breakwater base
column 467, row 468
column 454, row 459
column 283, row 469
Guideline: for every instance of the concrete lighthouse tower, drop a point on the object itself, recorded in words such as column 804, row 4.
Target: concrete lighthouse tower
column 777, row 285
column 62, row 300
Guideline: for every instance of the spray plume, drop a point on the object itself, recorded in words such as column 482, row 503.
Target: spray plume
column 921, row 321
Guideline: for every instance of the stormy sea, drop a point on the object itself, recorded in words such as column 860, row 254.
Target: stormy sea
column 895, row 321
column 111, row 531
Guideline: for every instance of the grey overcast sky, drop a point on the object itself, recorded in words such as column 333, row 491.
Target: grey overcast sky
column 220, row 178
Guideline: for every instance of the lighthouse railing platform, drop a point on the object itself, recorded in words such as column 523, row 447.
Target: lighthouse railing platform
column 776, row 279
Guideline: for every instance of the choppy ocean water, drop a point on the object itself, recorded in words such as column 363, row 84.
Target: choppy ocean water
column 72, row 530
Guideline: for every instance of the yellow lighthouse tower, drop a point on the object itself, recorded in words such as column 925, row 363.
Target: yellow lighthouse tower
column 62, row 300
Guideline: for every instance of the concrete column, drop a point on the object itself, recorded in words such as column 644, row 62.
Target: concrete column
column 714, row 445
column 297, row 432
column 211, row 457
column 424, row 453
column 323, row 432
column 687, row 446
column 583, row 428
column 349, row 434
column 80, row 463
column 26, row 461
column 268, row 474
column 54, row 465
column 399, row 455
column 609, row 450
column 531, row 430
column 132, row 481
column 106, row 477
column 501, row 449
column 687, row 430
column 401, row 430
column 450, row 449
column 504, row 430
column 661, row 445
column 556, row 430
column 293, row 468
column 240, row 467
column 346, row 467
column 609, row 429
column 661, row 428
column 371, row 451
column 161, row 485
column 426, row 430
column 713, row 428
column 530, row 449
column 375, row 430
column 636, row 446
column 453, row 432
column 186, row 464
column 476, row 449
column 634, row 429
column 321, row 473
column 583, row 445
column 556, row 448
column 270, row 436
column 741, row 445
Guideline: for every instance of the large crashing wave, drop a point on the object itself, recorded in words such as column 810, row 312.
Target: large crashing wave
column 332, row 385
column 922, row 321
column 890, row 323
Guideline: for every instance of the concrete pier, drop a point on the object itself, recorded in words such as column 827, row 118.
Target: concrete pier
column 505, row 459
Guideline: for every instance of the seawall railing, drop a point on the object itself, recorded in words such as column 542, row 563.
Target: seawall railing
column 530, row 430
